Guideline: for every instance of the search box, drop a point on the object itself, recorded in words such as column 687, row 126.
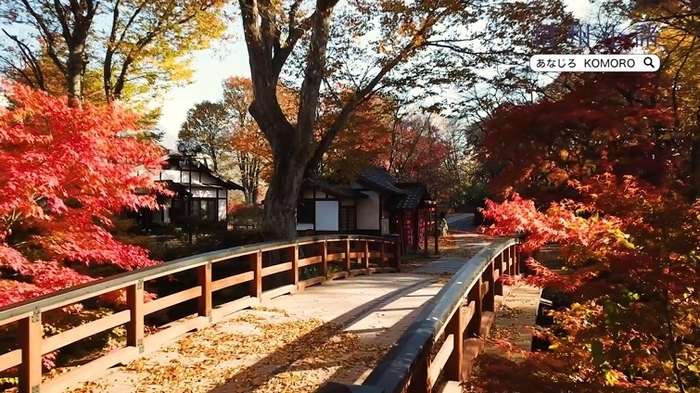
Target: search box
column 595, row 63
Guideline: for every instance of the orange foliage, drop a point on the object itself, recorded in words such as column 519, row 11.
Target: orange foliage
column 364, row 141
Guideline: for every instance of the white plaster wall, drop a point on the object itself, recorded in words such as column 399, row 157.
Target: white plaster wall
column 222, row 209
column 204, row 192
column 305, row 227
column 368, row 212
column 327, row 216
column 170, row 174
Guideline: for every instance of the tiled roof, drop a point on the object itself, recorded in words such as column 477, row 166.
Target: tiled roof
column 380, row 178
column 413, row 195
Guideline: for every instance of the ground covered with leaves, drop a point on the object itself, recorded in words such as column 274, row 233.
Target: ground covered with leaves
column 263, row 350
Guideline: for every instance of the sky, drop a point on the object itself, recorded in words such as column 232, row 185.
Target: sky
column 214, row 65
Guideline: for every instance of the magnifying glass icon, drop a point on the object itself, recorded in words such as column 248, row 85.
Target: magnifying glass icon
column 648, row 61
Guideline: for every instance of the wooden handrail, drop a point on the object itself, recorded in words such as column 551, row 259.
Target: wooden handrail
column 459, row 316
column 318, row 250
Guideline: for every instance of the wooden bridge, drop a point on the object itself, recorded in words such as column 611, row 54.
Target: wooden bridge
column 391, row 332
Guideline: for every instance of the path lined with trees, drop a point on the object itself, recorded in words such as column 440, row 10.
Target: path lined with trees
column 606, row 165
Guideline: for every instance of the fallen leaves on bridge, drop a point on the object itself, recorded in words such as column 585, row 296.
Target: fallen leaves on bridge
column 506, row 326
column 262, row 351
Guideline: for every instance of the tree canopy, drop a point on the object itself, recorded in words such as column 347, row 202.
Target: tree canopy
column 325, row 50
column 208, row 125
column 126, row 47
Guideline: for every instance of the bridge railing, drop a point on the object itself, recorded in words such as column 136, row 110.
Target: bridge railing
column 334, row 256
column 454, row 322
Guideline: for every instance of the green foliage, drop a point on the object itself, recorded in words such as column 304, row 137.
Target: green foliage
column 209, row 126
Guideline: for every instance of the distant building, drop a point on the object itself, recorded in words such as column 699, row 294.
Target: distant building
column 206, row 191
column 373, row 199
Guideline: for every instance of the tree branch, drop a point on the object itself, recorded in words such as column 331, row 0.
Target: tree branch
column 47, row 36
column 365, row 93
column 30, row 59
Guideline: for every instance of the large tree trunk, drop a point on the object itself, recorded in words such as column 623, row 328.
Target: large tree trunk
column 281, row 197
column 74, row 75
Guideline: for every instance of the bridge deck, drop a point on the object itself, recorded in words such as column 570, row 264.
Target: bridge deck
column 295, row 343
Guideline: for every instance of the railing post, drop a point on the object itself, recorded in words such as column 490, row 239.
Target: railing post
column 498, row 284
column 489, row 302
column 455, row 327
column 204, row 303
column 367, row 257
column 419, row 379
column 347, row 255
column 397, row 252
column 474, row 325
column 294, row 272
column 324, row 258
column 511, row 265
column 135, row 328
column 256, row 268
column 31, row 335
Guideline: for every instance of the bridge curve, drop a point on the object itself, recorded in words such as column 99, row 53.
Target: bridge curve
column 264, row 341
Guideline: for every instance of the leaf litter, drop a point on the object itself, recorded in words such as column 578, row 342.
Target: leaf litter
column 256, row 352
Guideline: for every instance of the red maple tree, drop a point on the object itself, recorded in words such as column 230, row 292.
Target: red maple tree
column 65, row 172
column 618, row 172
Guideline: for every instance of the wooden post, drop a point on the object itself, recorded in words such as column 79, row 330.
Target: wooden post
column 419, row 378
column 498, row 284
column 437, row 235
column 347, row 255
column 382, row 254
column 134, row 328
column 455, row 327
column 294, row 271
column 474, row 324
column 30, row 337
column 397, row 252
column 367, row 257
column 489, row 302
column 324, row 258
column 256, row 268
column 204, row 303
column 426, row 229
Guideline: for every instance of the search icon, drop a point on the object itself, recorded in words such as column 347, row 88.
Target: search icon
column 648, row 61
